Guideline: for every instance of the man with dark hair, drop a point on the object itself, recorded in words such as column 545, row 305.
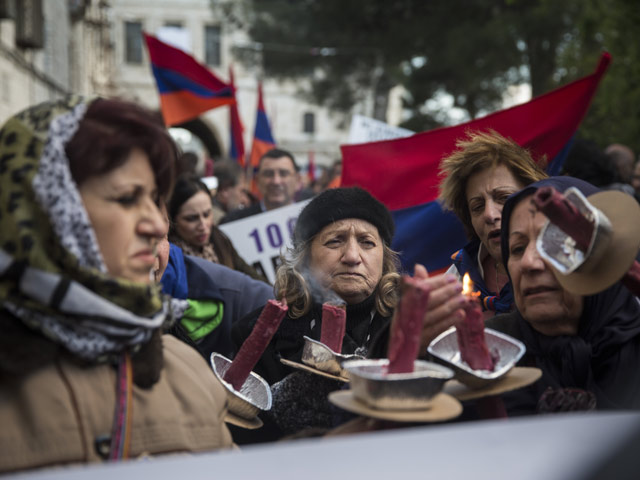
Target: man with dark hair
column 278, row 180
column 231, row 193
column 623, row 160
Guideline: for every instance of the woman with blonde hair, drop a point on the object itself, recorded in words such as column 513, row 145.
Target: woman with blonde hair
column 477, row 180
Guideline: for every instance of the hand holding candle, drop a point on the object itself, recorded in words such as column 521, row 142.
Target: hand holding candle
column 471, row 340
column 255, row 344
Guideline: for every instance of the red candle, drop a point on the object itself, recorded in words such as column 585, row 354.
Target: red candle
column 334, row 324
column 565, row 215
column 407, row 325
column 255, row 344
column 471, row 340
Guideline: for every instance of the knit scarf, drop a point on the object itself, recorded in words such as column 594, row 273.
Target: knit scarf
column 52, row 275
column 466, row 261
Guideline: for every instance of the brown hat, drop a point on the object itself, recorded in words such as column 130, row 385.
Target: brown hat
column 623, row 212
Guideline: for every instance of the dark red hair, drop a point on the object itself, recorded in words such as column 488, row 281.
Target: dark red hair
column 109, row 131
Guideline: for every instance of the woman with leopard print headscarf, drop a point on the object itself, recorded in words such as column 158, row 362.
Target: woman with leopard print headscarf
column 85, row 372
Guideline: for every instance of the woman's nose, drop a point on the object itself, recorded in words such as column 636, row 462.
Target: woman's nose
column 204, row 223
column 351, row 252
column 531, row 260
column 492, row 212
column 152, row 223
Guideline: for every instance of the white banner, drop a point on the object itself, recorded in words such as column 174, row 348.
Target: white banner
column 259, row 239
column 365, row 130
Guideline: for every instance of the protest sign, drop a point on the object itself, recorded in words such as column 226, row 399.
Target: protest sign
column 259, row 239
column 365, row 129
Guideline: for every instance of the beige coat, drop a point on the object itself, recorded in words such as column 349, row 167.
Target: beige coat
column 55, row 414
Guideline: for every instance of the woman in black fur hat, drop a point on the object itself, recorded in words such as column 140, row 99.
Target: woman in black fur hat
column 341, row 254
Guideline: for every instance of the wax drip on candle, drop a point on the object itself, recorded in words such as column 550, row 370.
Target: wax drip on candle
column 334, row 324
column 406, row 327
column 471, row 339
column 256, row 343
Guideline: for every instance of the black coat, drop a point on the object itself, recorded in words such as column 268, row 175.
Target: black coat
column 603, row 358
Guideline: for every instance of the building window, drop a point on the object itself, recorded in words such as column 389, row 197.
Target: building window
column 133, row 42
column 212, row 45
column 309, row 123
column 173, row 24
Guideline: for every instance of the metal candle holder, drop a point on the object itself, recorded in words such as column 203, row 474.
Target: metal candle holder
column 319, row 356
column 254, row 396
column 372, row 385
column 445, row 349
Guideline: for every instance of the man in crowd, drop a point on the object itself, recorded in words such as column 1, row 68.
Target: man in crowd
column 278, row 180
column 623, row 160
column 231, row 193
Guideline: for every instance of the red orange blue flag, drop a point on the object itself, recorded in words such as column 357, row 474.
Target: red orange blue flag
column 403, row 173
column 236, row 150
column 262, row 138
column 186, row 87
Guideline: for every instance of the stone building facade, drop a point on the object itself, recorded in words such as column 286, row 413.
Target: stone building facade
column 52, row 47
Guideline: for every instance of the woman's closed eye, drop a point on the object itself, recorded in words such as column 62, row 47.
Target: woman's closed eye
column 502, row 198
column 333, row 242
column 367, row 242
column 130, row 198
column 191, row 218
column 476, row 207
column 516, row 250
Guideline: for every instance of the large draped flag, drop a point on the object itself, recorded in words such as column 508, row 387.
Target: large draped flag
column 236, row 151
column 262, row 139
column 403, row 173
column 186, row 87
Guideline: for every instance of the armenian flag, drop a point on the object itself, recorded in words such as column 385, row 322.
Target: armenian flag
column 237, row 142
column 403, row 173
column 262, row 139
column 187, row 88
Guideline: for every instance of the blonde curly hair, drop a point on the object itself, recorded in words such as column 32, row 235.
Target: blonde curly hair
column 477, row 152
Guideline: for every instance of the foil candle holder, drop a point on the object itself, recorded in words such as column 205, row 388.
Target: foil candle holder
column 254, row 396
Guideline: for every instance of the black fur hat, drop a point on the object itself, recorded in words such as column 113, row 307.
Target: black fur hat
column 340, row 203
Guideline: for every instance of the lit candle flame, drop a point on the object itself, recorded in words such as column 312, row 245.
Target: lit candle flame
column 467, row 286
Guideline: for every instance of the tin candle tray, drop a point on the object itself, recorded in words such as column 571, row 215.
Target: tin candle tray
column 254, row 396
column 319, row 356
column 445, row 349
column 372, row 385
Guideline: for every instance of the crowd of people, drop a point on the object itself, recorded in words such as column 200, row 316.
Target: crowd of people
column 116, row 286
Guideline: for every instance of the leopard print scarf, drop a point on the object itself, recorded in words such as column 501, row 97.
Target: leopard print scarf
column 207, row 252
column 52, row 275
